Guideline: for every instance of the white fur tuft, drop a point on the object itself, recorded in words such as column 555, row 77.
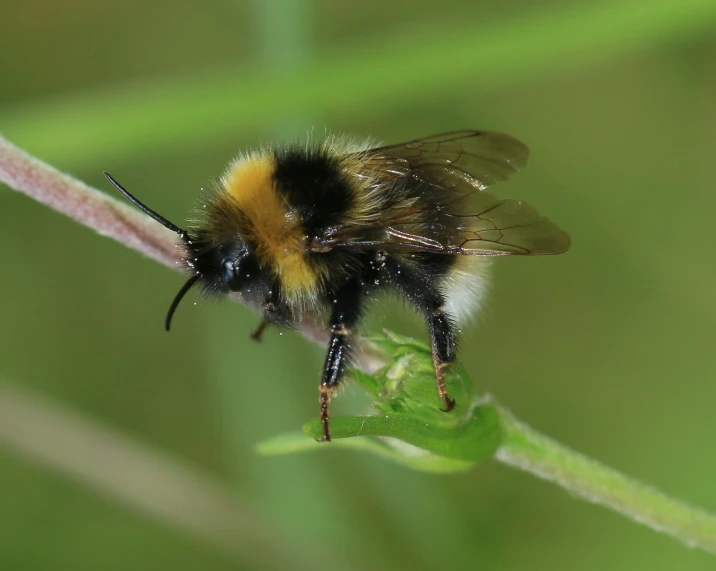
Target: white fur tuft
column 465, row 286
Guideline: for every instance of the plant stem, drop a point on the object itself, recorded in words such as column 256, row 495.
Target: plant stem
column 88, row 206
column 528, row 450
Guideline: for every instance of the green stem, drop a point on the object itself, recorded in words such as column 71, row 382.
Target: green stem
column 406, row 411
column 436, row 61
column 527, row 450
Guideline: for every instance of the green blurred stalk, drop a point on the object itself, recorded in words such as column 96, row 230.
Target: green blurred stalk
column 121, row 121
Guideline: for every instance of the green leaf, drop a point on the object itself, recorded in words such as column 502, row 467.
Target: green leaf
column 407, row 415
column 402, row 454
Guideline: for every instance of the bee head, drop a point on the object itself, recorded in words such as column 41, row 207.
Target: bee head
column 238, row 269
column 227, row 267
column 219, row 268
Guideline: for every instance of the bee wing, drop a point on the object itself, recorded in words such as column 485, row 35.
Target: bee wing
column 493, row 227
column 501, row 227
column 481, row 158
column 458, row 218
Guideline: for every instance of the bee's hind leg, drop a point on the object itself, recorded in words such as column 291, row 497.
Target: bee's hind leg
column 418, row 286
column 442, row 341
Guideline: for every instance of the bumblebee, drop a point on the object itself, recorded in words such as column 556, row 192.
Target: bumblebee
column 319, row 229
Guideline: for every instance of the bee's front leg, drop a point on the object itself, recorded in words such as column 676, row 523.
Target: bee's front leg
column 274, row 313
column 257, row 334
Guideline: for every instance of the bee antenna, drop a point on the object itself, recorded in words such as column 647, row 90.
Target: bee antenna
column 148, row 211
column 178, row 297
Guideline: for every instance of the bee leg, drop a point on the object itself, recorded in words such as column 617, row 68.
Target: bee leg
column 442, row 340
column 419, row 287
column 346, row 311
column 259, row 331
column 274, row 313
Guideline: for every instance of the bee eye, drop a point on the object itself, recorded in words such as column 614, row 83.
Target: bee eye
column 230, row 275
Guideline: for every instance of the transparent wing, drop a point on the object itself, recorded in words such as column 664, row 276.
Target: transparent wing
column 456, row 217
column 481, row 158
column 496, row 227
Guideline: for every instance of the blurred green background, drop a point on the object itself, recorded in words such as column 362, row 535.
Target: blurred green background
column 122, row 447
